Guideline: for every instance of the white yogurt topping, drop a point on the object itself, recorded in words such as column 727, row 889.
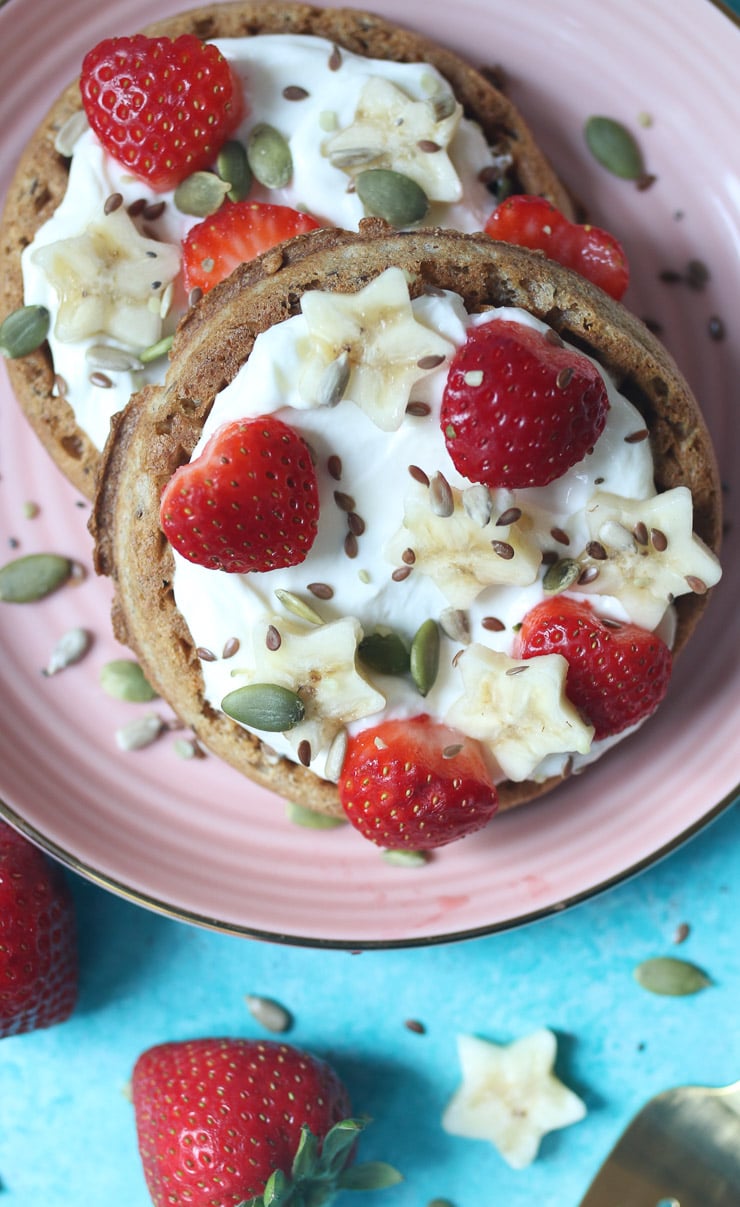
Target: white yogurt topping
column 266, row 64
column 218, row 606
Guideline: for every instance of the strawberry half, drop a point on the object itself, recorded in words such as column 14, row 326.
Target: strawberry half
column 617, row 673
column 416, row 785
column 519, row 409
column 234, row 234
column 249, row 502
column 161, row 107
column 38, row 945
column 534, row 222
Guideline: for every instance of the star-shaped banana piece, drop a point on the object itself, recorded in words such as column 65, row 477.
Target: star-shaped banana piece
column 518, row 709
column 109, row 280
column 510, row 1095
column 370, row 345
column 461, row 555
column 646, row 552
column 318, row 663
column 390, row 130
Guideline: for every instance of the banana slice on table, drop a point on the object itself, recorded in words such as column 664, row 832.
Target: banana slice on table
column 318, row 664
column 109, row 280
column 371, row 346
column 390, row 130
column 510, row 1095
column 518, row 709
column 460, row 553
column 645, row 552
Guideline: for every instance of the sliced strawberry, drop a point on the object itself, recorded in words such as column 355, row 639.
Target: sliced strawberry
column 519, row 410
column 416, row 785
column 617, row 673
column 161, row 107
column 234, row 234
column 248, row 502
column 534, row 222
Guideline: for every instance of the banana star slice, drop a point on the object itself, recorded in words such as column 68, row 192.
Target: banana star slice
column 390, row 130
column 651, row 552
column 510, row 1095
column 461, row 555
column 518, row 709
column 109, row 280
column 317, row 663
column 375, row 336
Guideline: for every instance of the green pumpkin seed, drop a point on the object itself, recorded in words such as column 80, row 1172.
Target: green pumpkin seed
column 264, row 706
column 200, row 194
column 385, row 653
column 301, row 816
column 424, row 658
column 561, row 575
column 406, row 859
column 612, row 145
column 669, row 976
column 233, row 167
column 392, row 196
column 23, row 331
column 123, row 679
column 269, row 157
column 32, row 577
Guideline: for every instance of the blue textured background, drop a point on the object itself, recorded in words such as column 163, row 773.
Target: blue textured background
column 66, row 1126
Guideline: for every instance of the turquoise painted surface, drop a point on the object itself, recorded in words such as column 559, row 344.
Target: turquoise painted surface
column 66, row 1126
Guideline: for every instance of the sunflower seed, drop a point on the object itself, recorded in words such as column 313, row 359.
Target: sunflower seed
column 477, row 502
column 353, row 157
column 69, row 133
column 69, row 649
column 441, row 499
column 268, row 1012
column 139, row 733
column 33, row 577
column 333, row 381
column 455, row 624
column 115, row 360
column 299, row 607
column 266, row 706
column 335, row 757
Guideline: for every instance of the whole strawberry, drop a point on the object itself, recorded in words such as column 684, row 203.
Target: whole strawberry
column 535, row 222
column 38, row 945
column 222, row 1122
column 415, row 785
column 617, row 673
column 518, row 408
column 161, row 107
column 249, row 502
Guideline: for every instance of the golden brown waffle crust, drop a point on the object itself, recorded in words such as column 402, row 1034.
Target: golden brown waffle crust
column 159, row 429
column 40, row 181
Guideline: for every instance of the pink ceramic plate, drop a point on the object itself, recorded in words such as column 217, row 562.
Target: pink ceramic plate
column 195, row 840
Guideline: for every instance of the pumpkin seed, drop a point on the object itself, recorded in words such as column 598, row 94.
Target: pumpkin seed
column 310, row 820
column 201, row 194
column 233, row 167
column 424, row 659
column 32, row 577
column 299, row 607
column 270, row 1013
column 139, row 733
column 269, row 157
column 392, row 196
column 154, row 351
column 23, row 331
column 561, row 575
column 70, row 648
column 406, row 859
column 123, row 679
column 669, row 976
column 385, row 653
column 612, row 145
column 265, row 706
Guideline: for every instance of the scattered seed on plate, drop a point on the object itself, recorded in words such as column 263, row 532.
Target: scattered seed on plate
column 138, row 734
column 69, row 649
column 413, row 1024
column 30, row 578
column 671, row 977
column 187, row 748
column 309, row 819
column 268, row 1012
column 406, row 859
column 123, row 679
column 681, row 932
